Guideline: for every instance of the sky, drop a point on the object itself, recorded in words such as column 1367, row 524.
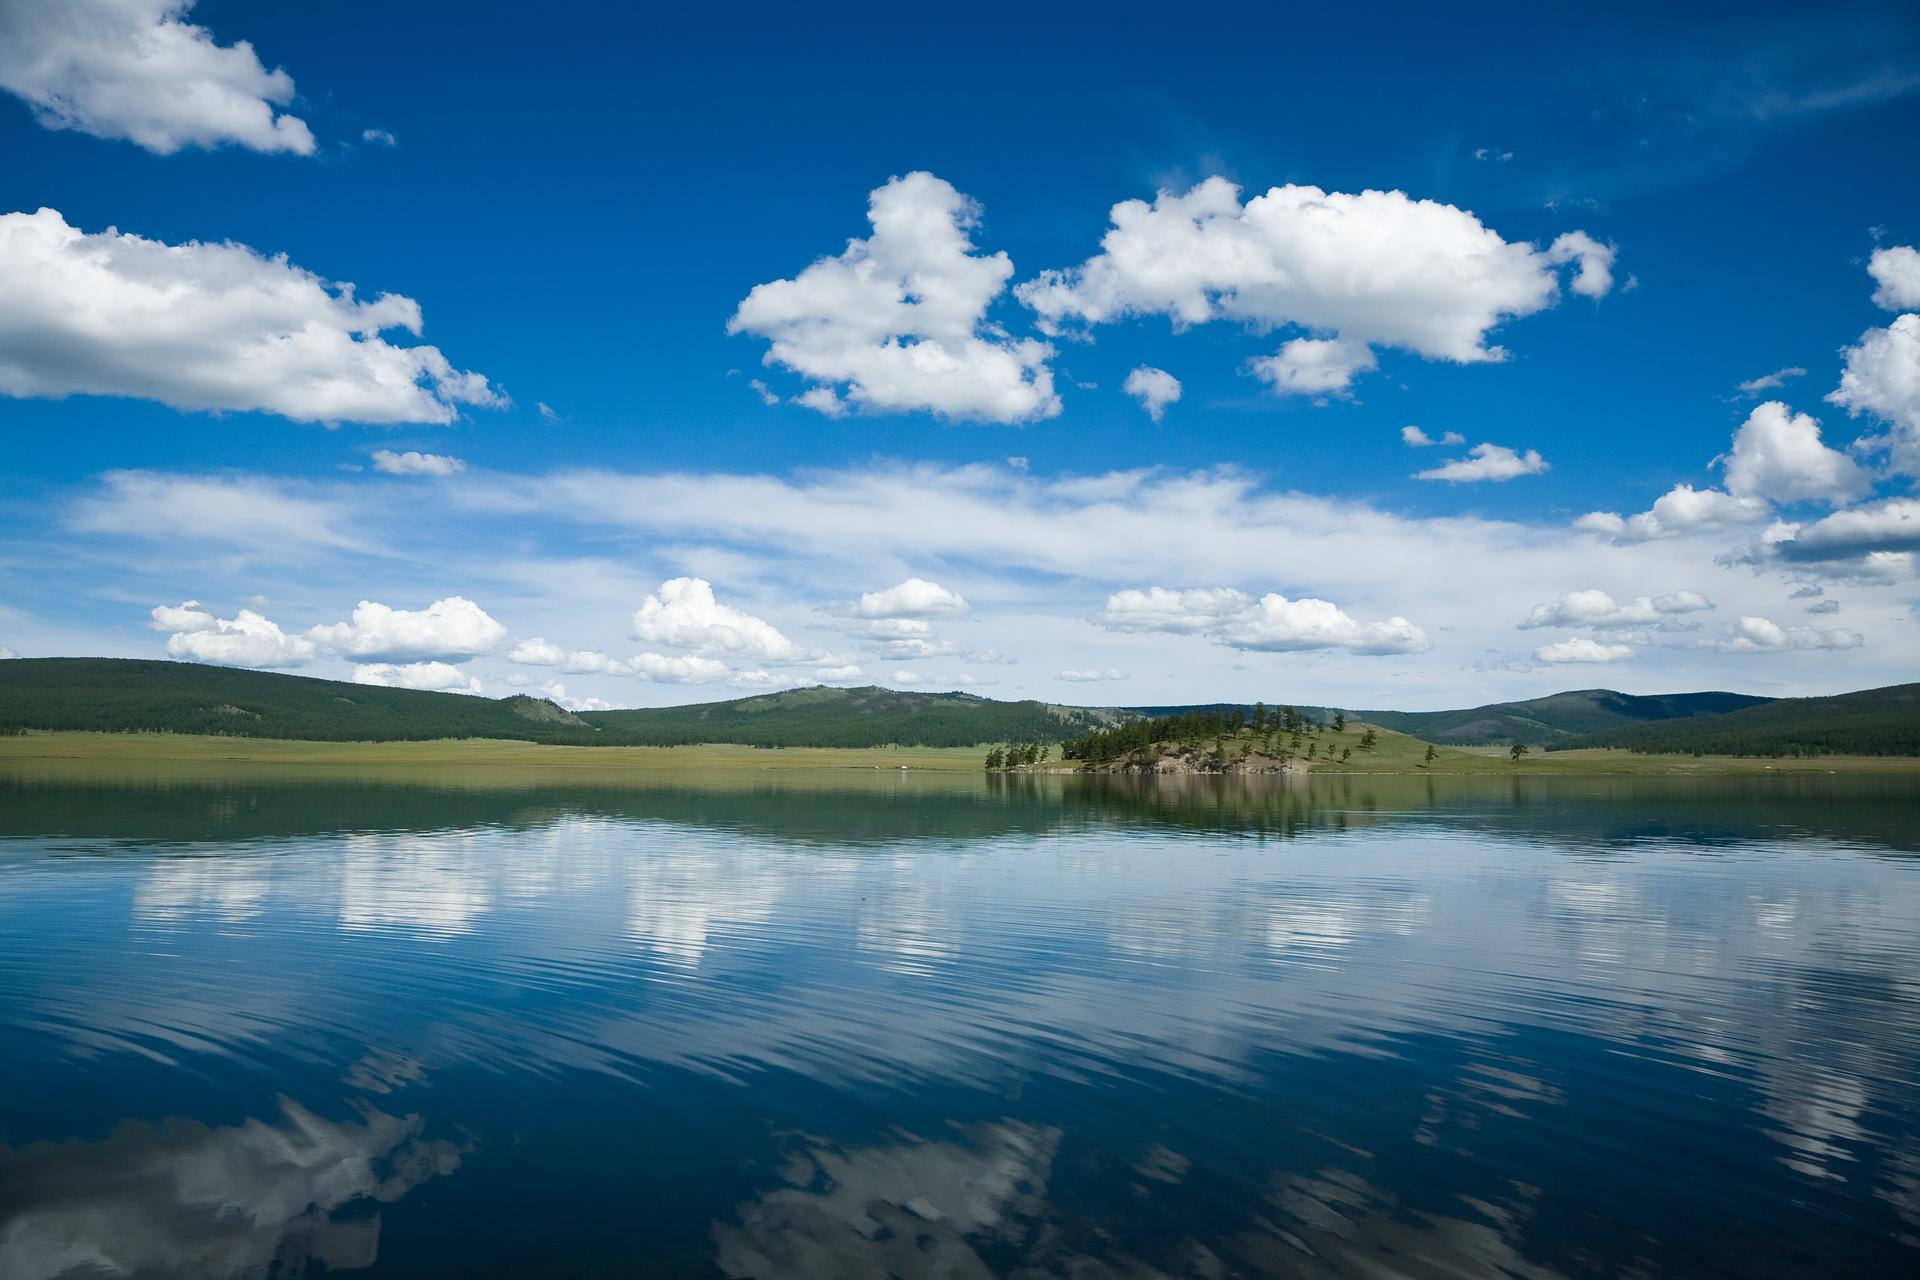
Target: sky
column 630, row 358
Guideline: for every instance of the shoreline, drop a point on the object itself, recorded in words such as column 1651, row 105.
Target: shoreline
column 86, row 752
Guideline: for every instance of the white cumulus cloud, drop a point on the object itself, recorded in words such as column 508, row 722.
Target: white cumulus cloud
column 1778, row 455
column 1272, row 623
column 1581, row 649
column 1314, row 366
column 541, row 652
column 1487, row 462
column 454, row 628
column 209, row 327
column 1896, row 269
column 1595, row 608
column 1887, row 529
column 1419, row 439
column 1761, row 635
column 412, row 463
column 1155, row 389
column 684, row 613
column 245, row 640
column 1882, row 378
column 897, row 322
column 136, row 70
column 1681, row 510
column 442, row 677
column 1377, row 268
column 914, row 598
column 676, row 668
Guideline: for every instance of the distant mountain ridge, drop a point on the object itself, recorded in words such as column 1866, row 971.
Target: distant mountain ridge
column 1556, row 717
column 120, row 695
column 1872, row 722
column 1536, row 721
column 830, row 717
column 126, row 694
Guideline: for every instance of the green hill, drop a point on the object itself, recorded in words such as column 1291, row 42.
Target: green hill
column 823, row 717
column 1557, row 717
column 1874, row 722
column 123, row 694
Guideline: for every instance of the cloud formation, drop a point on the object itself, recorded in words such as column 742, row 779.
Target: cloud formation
column 1761, row 635
column 453, row 628
column 1155, row 389
column 683, row 613
column 245, row 640
column 1357, row 271
column 1896, row 270
column 897, row 322
column 241, row 511
column 135, row 70
column 1680, row 511
column 1778, row 455
column 1595, row 608
column 1581, row 649
column 914, row 598
column 1314, row 366
column 1882, row 378
column 213, row 327
column 412, row 463
column 1769, row 381
column 1272, row 623
column 1090, row 675
column 1487, row 462
column 437, row 677
column 1418, row 439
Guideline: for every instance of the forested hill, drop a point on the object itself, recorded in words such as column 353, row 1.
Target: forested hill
column 823, row 717
column 124, row 694
column 1874, row 722
column 1558, row 717
column 130, row 694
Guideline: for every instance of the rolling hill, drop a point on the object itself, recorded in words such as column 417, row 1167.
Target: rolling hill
column 1557, row 717
column 130, row 694
column 827, row 717
column 1873, row 722
column 1536, row 722
column 125, row 694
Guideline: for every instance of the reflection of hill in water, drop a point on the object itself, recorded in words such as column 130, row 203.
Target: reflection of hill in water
column 855, row 809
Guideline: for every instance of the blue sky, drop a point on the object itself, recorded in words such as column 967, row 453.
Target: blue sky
column 1569, row 237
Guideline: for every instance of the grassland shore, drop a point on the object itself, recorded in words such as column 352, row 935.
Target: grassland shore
column 64, row 753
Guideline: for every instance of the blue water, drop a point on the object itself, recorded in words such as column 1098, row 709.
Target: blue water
column 922, row 1028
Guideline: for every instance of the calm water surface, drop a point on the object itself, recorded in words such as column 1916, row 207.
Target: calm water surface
column 919, row 1027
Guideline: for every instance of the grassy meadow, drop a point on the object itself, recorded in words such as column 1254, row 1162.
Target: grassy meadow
column 497, row 762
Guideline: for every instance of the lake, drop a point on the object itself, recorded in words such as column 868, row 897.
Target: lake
column 855, row 1025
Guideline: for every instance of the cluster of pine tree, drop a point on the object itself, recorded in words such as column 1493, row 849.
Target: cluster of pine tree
column 1282, row 732
column 1015, row 755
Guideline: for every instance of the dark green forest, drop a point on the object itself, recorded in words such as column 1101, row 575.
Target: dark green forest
column 1874, row 722
column 132, row 695
column 1556, row 717
column 821, row 717
column 127, row 695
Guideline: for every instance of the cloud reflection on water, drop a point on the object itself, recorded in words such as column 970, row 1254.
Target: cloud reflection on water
column 184, row 1198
